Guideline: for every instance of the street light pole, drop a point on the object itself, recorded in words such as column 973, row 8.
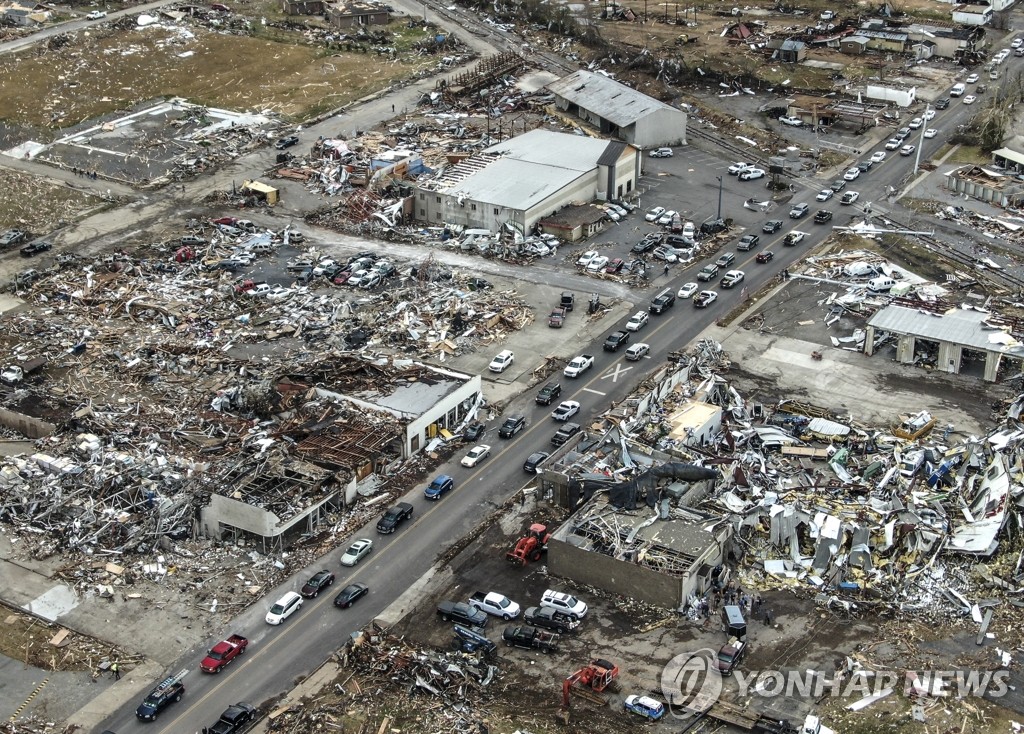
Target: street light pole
column 719, row 197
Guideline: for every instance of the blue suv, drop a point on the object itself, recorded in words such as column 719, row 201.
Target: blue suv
column 438, row 488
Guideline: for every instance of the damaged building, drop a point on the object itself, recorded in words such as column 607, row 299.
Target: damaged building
column 513, row 184
column 619, row 111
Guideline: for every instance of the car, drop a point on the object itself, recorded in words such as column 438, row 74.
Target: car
column 689, row 231
column 793, row 238
column 764, row 257
column 616, row 339
column 512, row 425
column 666, row 217
column 96, row 15
column 565, row 410
column 687, row 290
column 838, row 185
column 442, row 484
column 725, row 260
column 942, row 103
column 319, row 581
column 903, row 133
column 27, row 277
column 644, row 245
column 732, row 278
column 563, row 434
column 610, row 213
column 661, row 153
column 356, row 552
column 893, row 143
column 287, row 142
column 705, row 299
column 752, row 173
column 572, row 607
column 852, row 174
column 878, row 156
column 771, row 226
column 929, row 115
column 908, row 149
column 279, row 293
column 34, row 248
column 824, row 195
column 654, row 214
column 284, row 607
column 638, row 351
column 615, row 266
column 473, row 431
column 729, row 656
column 534, row 460
column 548, row 393
column 849, row 197
column 822, row 216
column 597, row 264
column 737, row 168
column 12, row 237
column 476, row 455
column 799, row 210
column 915, row 124
column 970, row 99
column 637, row 321
column 393, row 517
column 708, row 272
column 794, row 121
column 973, row 78
column 502, row 361
column 169, row 691
column 587, row 257
column 1017, row 43
column 667, row 254
column 623, row 213
column 350, row 595
column 748, row 242
column 931, row 132
column 644, row 706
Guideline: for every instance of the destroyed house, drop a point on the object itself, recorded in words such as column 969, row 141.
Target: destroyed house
column 619, row 111
column 632, row 553
column 515, row 183
column 352, row 14
column 303, row 7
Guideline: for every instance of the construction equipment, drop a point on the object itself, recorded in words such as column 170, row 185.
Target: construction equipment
column 472, row 641
column 529, row 548
column 590, row 682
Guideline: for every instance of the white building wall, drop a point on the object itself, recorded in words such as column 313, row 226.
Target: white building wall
column 899, row 97
column 584, row 190
column 661, row 127
column 464, row 394
column 972, row 18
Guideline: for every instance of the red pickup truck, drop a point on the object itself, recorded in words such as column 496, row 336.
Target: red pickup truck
column 223, row 653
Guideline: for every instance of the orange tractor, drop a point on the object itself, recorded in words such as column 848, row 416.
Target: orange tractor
column 588, row 683
column 529, row 548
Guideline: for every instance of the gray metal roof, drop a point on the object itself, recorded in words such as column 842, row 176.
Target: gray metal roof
column 611, row 153
column 957, row 326
column 613, row 101
column 550, row 148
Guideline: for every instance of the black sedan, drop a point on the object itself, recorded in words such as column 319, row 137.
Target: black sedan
column 474, row 431
column 35, row 248
column 287, row 142
column 320, row 581
column 350, row 595
column 765, row 256
column 772, row 226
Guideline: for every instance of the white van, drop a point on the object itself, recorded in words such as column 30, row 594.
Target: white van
column 958, row 90
column 881, row 284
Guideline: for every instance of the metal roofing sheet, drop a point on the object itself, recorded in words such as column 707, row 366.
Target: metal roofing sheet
column 612, row 100
column 959, row 326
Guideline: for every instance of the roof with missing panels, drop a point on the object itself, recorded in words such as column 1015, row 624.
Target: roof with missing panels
column 615, row 102
column 957, row 326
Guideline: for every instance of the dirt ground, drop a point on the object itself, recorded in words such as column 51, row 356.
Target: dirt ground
column 48, row 646
column 38, row 206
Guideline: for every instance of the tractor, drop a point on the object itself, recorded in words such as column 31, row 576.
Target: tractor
column 589, row 682
column 529, row 548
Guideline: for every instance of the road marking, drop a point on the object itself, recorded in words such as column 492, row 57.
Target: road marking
column 28, row 700
column 616, row 373
column 596, row 392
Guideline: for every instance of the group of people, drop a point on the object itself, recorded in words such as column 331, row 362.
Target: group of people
column 733, row 595
column 83, row 173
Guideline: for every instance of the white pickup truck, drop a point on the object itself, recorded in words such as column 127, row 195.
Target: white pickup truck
column 496, row 604
column 578, row 365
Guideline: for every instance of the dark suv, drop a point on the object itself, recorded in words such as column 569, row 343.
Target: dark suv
column 548, row 393
column 615, row 340
column 169, row 691
column 394, row 517
column 512, row 425
column 664, row 300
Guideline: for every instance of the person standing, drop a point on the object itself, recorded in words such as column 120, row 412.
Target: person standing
column 116, row 671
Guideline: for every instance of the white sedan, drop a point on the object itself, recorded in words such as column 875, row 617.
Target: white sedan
column 687, row 290
column 931, row 132
column 666, row 216
column 878, row 157
column 969, row 99
column 279, row 293
column 597, row 264
column 852, row 174
column 825, row 195
column 476, row 455
column 587, row 257
column 356, row 551
column 751, row 173
column 653, row 214
column 915, row 123
column 929, row 114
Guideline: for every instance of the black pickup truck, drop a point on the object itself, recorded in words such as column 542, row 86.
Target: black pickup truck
column 530, row 638
column 461, row 613
column 550, row 619
column 235, row 719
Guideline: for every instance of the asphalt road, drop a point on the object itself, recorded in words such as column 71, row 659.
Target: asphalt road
column 279, row 656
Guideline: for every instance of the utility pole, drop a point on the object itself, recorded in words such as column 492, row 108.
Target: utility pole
column 719, row 197
column 920, row 141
